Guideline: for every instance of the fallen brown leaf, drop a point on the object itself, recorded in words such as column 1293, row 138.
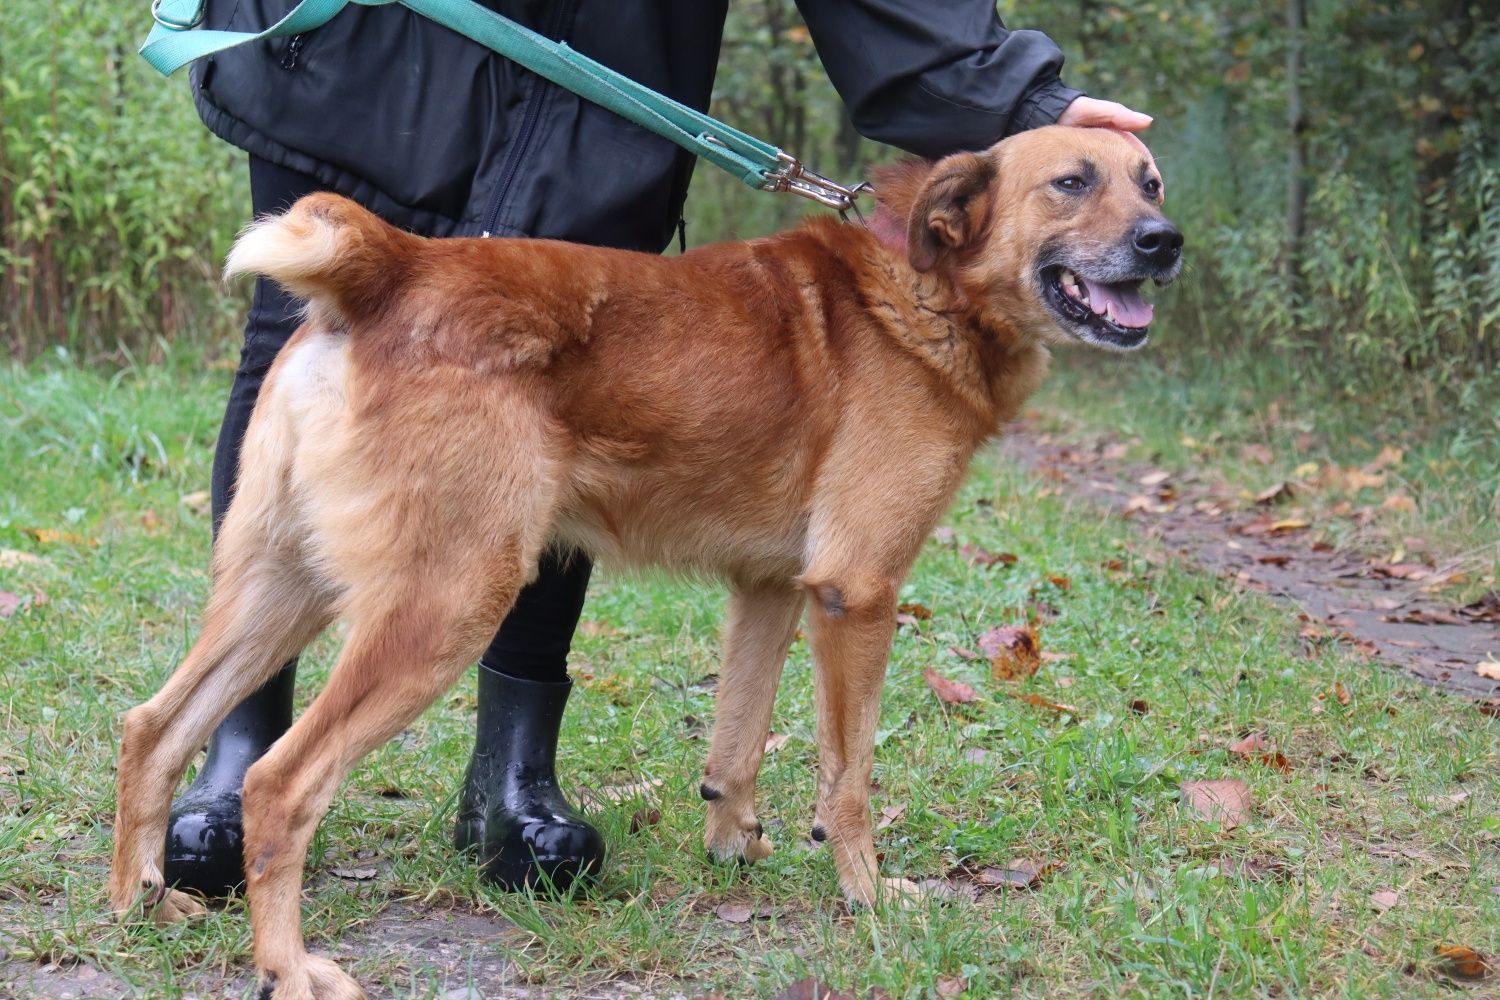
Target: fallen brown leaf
column 812, row 989
column 1489, row 669
column 1399, row 502
column 356, row 874
column 1021, row 873
column 1140, row 706
column 889, row 814
column 1384, row 899
column 1486, row 609
column 642, row 818
column 734, row 913
column 1401, row 571
column 49, row 536
column 950, row 692
column 1014, row 651
column 918, row 611
column 983, row 557
column 1341, row 693
column 9, row 603
column 12, row 558
column 1274, row 494
column 1461, row 962
column 1256, row 453
column 198, row 501
column 1051, row 706
column 951, row 986
column 1389, row 455
column 1155, row 478
column 1257, row 747
column 775, row 741
column 1226, row 801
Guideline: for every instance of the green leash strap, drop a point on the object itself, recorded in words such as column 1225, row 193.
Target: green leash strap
column 175, row 41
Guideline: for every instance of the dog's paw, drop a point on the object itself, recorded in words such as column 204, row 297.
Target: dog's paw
column 746, row 846
column 175, row 906
column 319, row 979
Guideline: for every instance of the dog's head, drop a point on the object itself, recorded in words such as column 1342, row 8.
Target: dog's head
column 1056, row 229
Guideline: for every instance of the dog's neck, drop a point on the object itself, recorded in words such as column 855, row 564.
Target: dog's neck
column 897, row 186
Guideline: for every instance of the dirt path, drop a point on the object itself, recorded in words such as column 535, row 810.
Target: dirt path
column 1385, row 611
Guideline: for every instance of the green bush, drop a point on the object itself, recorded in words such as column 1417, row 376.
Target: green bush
column 116, row 205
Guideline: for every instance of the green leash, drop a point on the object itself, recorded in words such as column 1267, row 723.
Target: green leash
column 175, row 41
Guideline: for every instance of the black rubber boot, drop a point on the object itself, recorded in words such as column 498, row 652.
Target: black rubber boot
column 205, row 836
column 512, row 813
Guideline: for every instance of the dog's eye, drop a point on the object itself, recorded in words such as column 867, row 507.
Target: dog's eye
column 1072, row 183
column 1152, row 187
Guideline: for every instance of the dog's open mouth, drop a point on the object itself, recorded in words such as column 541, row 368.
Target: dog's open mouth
column 1110, row 314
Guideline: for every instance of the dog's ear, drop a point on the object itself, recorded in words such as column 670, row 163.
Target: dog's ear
column 950, row 209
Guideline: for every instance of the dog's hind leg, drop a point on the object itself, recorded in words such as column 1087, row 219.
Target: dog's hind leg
column 265, row 609
column 761, row 621
column 410, row 638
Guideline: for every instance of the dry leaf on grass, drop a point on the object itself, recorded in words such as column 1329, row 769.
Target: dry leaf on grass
column 1461, row 962
column 1256, row 452
column 9, row 603
column 356, row 874
column 1384, row 899
column 1014, row 651
column 1140, row 706
column 1401, row 571
column 951, row 986
column 1257, row 747
column 1051, row 706
column 911, row 613
column 950, row 692
column 1155, row 478
column 775, row 741
column 1021, row 873
column 597, row 799
column 812, row 989
column 1341, row 693
column 734, row 913
column 13, row 558
column 889, row 814
column 1227, row 801
column 983, row 557
column 49, row 536
column 1489, row 669
column 198, row 501
column 642, row 818
column 1400, row 502
column 1274, row 494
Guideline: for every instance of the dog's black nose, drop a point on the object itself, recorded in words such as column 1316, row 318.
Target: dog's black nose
column 1158, row 241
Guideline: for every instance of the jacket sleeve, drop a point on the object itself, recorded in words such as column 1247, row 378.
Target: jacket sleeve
column 934, row 78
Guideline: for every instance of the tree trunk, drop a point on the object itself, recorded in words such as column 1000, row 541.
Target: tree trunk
column 1296, row 157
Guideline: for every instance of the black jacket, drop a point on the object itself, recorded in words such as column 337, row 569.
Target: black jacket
column 438, row 134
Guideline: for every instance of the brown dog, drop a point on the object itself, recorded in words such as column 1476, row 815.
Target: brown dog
column 792, row 414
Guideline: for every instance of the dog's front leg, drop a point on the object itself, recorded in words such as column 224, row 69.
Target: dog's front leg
column 852, row 620
column 759, row 629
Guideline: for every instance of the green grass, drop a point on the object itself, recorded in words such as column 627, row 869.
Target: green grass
column 1149, row 901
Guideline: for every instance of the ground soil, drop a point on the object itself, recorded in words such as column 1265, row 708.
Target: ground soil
column 1395, row 614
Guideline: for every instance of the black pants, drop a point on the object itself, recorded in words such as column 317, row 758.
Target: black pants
column 533, row 641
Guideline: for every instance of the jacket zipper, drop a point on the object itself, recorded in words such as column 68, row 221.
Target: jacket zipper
column 528, row 126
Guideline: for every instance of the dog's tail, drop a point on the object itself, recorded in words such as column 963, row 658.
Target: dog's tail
column 338, row 256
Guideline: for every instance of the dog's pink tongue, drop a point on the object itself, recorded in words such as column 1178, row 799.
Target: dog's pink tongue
column 1124, row 301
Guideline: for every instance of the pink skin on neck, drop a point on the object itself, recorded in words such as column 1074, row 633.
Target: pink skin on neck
column 889, row 230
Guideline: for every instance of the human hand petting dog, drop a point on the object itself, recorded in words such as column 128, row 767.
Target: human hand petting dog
column 1090, row 112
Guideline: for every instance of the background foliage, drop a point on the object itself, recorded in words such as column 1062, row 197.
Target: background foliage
column 1343, row 206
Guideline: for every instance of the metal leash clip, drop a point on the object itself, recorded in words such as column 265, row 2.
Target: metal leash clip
column 797, row 179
